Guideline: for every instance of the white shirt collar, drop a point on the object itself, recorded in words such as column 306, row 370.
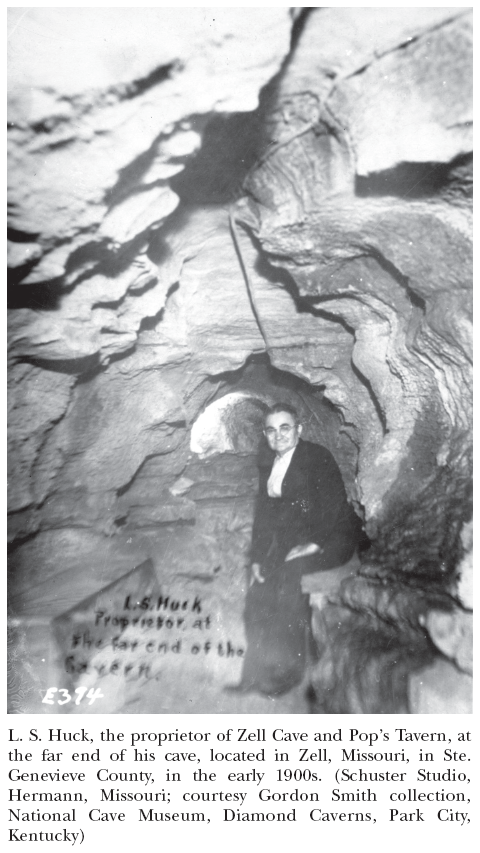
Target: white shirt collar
column 277, row 474
column 286, row 458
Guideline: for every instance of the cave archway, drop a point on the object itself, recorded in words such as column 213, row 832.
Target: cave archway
column 232, row 423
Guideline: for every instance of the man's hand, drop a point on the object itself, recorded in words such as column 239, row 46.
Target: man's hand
column 256, row 573
column 302, row 551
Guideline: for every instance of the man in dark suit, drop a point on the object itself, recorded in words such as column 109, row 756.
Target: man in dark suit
column 303, row 523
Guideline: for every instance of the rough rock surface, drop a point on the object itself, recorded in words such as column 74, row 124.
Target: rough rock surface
column 224, row 215
column 99, row 125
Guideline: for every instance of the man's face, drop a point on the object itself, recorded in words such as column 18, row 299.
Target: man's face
column 282, row 432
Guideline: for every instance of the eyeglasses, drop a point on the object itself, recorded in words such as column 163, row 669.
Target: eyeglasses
column 284, row 430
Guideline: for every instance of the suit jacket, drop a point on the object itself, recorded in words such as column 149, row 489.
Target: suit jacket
column 313, row 508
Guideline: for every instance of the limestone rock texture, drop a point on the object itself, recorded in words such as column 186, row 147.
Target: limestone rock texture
column 209, row 213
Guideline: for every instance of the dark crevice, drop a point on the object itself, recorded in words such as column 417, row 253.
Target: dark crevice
column 299, row 20
column 274, row 377
column 124, row 92
column 415, row 180
column 36, row 297
column 132, row 186
column 86, row 365
column 163, row 525
column 416, row 300
column 119, row 356
column 143, row 84
column 180, row 424
column 397, row 276
column 19, row 540
column 15, row 276
column 366, row 383
column 230, row 377
column 137, row 291
column 55, row 144
column 150, row 323
column 304, row 304
column 158, row 248
column 102, row 259
column 202, row 578
column 402, row 45
column 276, row 275
column 96, row 252
column 130, row 177
column 333, row 318
column 21, row 236
column 230, row 146
column 117, row 261
column 124, row 489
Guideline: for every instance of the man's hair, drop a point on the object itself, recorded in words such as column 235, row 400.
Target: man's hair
column 282, row 407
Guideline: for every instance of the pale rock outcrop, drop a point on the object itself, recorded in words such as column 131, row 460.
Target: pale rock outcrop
column 98, row 124
column 38, row 400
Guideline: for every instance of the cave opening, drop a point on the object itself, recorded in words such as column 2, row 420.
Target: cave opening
column 217, row 467
column 226, row 438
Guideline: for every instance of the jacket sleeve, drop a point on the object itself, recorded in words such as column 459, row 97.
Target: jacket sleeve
column 333, row 524
column 327, row 495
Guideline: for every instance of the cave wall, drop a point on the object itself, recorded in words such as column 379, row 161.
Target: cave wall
column 284, row 218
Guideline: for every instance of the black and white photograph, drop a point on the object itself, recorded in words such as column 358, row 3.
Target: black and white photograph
column 239, row 361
